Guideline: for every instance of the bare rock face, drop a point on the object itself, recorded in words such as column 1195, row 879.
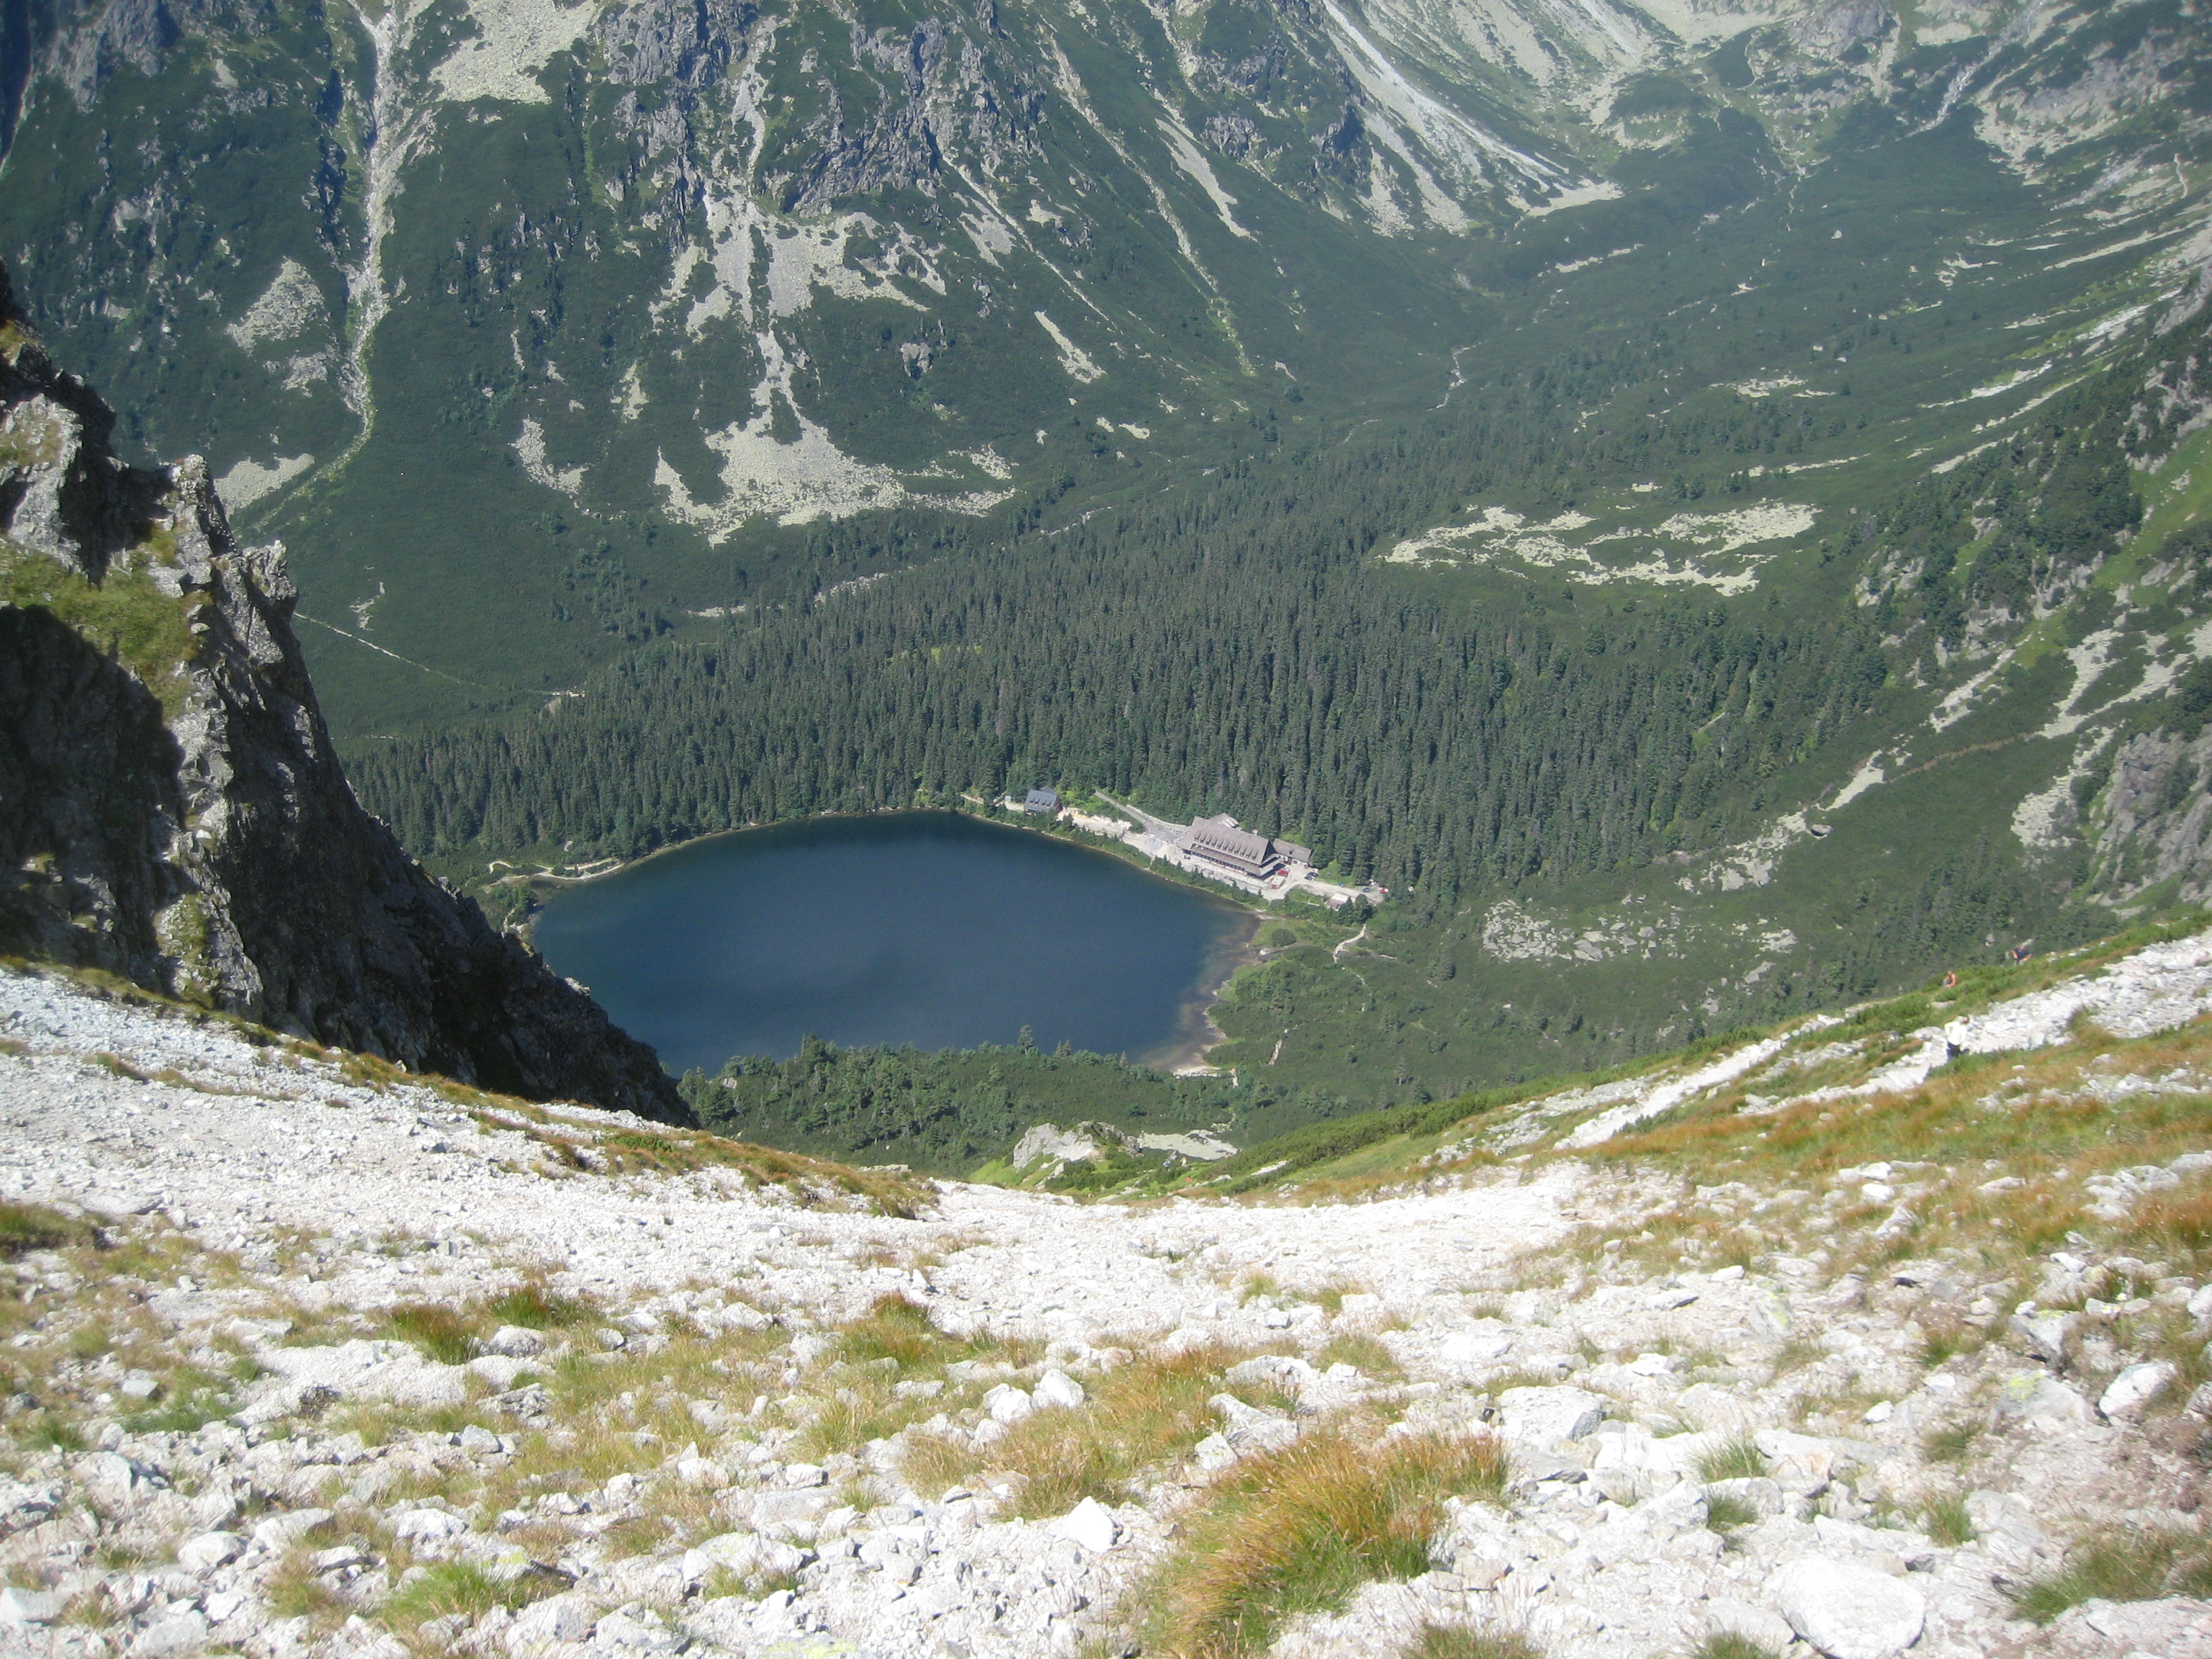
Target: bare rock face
column 172, row 809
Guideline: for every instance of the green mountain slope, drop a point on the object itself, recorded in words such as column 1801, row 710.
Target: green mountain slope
column 1705, row 503
column 539, row 330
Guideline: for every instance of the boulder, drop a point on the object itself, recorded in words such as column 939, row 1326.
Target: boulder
column 645, row 1633
column 1090, row 1524
column 543, row 1625
column 1547, row 1417
column 2136, row 1389
column 208, row 1551
column 791, row 1509
column 178, row 1634
column 1848, row 1610
column 500, row 1370
column 1057, row 1388
column 1286, row 1371
column 2044, row 1335
column 280, row 1532
column 1472, row 1350
column 1047, row 1149
column 1909, row 1549
column 1008, row 1404
column 2006, row 1529
column 22, row 1506
column 29, row 1607
column 2032, row 1394
column 113, row 1481
column 2176, row 1627
column 516, row 1342
column 359, row 1370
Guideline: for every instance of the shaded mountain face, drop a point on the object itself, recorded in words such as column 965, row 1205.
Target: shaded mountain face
column 1705, row 485
column 171, row 808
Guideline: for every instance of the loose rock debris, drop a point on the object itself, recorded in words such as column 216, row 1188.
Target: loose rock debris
column 314, row 1357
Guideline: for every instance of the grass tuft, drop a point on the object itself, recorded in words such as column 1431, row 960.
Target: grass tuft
column 1950, row 1444
column 1297, row 1531
column 1470, row 1642
column 1727, row 1644
column 1725, row 1513
column 535, row 1308
column 462, row 1588
column 2120, row 1566
column 444, row 1335
column 1361, row 1351
column 28, row 1227
column 897, row 1330
column 1948, row 1522
column 51, row 1433
column 1736, row 1459
column 1943, row 1340
column 2176, row 1221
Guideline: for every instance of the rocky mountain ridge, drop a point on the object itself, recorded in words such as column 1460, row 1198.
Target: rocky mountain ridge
column 172, row 810
column 678, row 280
column 431, row 1372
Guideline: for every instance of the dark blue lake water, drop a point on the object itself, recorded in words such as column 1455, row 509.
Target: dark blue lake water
column 922, row 927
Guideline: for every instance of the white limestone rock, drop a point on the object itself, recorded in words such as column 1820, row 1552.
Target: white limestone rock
column 545, row 1624
column 1007, row 1404
column 2037, row 1396
column 208, row 1551
column 428, row 1525
column 20, row 1607
column 178, row 1634
column 281, row 1532
column 2136, row 1389
column 1056, row 1389
column 1848, row 1610
column 1549, row 1417
column 1090, row 1524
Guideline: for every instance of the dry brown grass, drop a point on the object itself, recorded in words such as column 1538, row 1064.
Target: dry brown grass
column 864, row 1410
column 1298, row 1530
column 1138, row 1418
column 2176, row 1223
column 2029, row 1117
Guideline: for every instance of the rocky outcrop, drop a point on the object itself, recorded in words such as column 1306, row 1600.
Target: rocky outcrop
column 2154, row 824
column 172, row 809
column 1046, row 1151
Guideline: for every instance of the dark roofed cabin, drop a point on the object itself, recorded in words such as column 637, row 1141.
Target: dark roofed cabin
column 1046, row 801
column 1222, row 842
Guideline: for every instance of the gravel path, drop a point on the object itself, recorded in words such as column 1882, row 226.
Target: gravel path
column 248, row 1137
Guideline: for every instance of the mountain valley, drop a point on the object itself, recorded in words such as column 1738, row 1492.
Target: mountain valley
column 1705, row 507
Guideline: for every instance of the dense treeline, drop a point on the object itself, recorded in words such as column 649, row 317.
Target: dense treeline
column 949, row 1111
column 1227, row 654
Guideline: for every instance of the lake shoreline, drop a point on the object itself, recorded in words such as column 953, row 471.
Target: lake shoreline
column 1196, row 1034
column 1022, row 936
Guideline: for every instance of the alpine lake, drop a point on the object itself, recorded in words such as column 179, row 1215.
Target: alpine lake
column 924, row 927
